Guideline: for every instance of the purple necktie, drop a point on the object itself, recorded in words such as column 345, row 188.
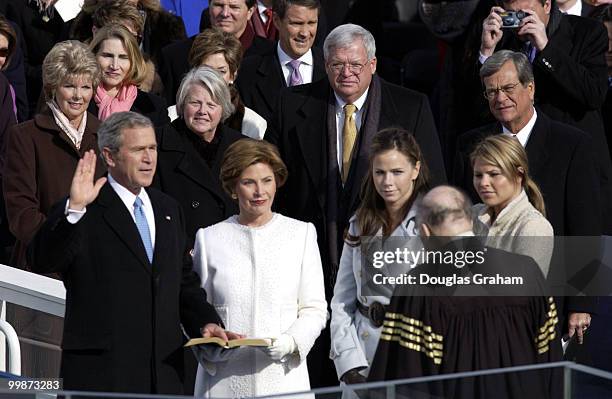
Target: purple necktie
column 296, row 77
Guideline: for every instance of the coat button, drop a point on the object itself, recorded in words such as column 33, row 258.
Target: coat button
column 365, row 335
column 195, row 204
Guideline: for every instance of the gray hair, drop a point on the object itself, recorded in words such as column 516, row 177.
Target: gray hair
column 110, row 132
column 212, row 81
column 344, row 35
column 495, row 62
column 434, row 210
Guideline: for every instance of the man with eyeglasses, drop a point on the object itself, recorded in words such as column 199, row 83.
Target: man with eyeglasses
column 560, row 158
column 323, row 131
column 568, row 57
column 293, row 61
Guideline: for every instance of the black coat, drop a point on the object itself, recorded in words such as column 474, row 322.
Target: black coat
column 38, row 38
column 147, row 104
column 174, row 62
column 261, row 79
column 185, row 176
column 300, row 132
column 122, row 329
column 561, row 163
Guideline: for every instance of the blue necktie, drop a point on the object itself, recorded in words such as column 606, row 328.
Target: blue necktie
column 143, row 228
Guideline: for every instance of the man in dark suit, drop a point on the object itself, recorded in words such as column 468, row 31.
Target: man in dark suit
column 326, row 145
column 323, row 131
column 575, row 7
column 567, row 53
column 121, row 251
column 262, row 77
column 232, row 18
column 261, row 20
column 560, row 157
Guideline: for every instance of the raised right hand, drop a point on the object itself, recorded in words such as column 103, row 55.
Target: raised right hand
column 83, row 190
column 491, row 32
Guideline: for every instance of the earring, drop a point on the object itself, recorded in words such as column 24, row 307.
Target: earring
column 234, row 196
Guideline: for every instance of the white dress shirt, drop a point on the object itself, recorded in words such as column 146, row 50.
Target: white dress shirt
column 261, row 9
column 576, row 9
column 525, row 132
column 340, row 103
column 306, row 67
column 128, row 198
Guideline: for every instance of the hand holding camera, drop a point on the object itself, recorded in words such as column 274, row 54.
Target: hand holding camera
column 525, row 23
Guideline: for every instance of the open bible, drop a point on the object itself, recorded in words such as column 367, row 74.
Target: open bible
column 233, row 343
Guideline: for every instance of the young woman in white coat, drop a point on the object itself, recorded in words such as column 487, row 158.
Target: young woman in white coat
column 262, row 272
column 398, row 176
column 512, row 212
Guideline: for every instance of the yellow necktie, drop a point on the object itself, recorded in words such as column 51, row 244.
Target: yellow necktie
column 349, row 134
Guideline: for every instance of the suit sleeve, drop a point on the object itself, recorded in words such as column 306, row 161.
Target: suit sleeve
column 20, row 185
column 195, row 310
column 57, row 243
column 583, row 194
column 583, row 79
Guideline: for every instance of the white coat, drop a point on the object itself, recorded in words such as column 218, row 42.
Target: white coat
column 263, row 281
column 353, row 337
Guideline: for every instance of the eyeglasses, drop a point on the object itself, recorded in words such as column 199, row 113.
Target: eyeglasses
column 508, row 90
column 353, row 68
column 4, row 52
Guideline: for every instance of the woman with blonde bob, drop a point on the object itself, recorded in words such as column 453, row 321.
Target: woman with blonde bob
column 262, row 272
column 396, row 179
column 512, row 211
column 123, row 70
column 42, row 153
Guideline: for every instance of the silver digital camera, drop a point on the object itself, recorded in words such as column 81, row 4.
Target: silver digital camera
column 512, row 19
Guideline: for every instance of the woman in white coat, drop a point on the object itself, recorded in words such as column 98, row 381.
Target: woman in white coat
column 262, row 272
column 512, row 214
column 398, row 176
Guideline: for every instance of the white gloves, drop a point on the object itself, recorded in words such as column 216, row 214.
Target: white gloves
column 281, row 347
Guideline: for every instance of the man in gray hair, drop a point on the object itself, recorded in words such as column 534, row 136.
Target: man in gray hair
column 560, row 156
column 323, row 131
column 121, row 250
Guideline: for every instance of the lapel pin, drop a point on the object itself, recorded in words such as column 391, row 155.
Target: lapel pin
column 168, row 217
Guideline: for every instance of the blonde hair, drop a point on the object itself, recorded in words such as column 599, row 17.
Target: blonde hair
column 246, row 152
column 138, row 68
column 507, row 154
column 66, row 60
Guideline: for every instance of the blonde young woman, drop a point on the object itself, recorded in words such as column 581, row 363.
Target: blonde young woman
column 512, row 212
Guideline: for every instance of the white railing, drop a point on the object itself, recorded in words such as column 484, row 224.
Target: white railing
column 31, row 291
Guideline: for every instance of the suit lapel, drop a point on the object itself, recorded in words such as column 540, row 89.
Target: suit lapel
column 163, row 230
column 271, row 79
column 537, row 150
column 121, row 222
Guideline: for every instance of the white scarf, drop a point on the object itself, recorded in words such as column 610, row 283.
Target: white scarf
column 75, row 135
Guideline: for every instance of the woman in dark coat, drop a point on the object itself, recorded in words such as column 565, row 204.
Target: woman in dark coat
column 123, row 69
column 190, row 151
column 42, row 154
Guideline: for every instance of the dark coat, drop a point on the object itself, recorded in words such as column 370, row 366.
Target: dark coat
column 15, row 73
column 174, row 62
column 261, row 79
column 561, row 163
column 38, row 37
column 185, row 176
column 40, row 163
column 122, row 328
column 300, row 132
column 147, row 104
